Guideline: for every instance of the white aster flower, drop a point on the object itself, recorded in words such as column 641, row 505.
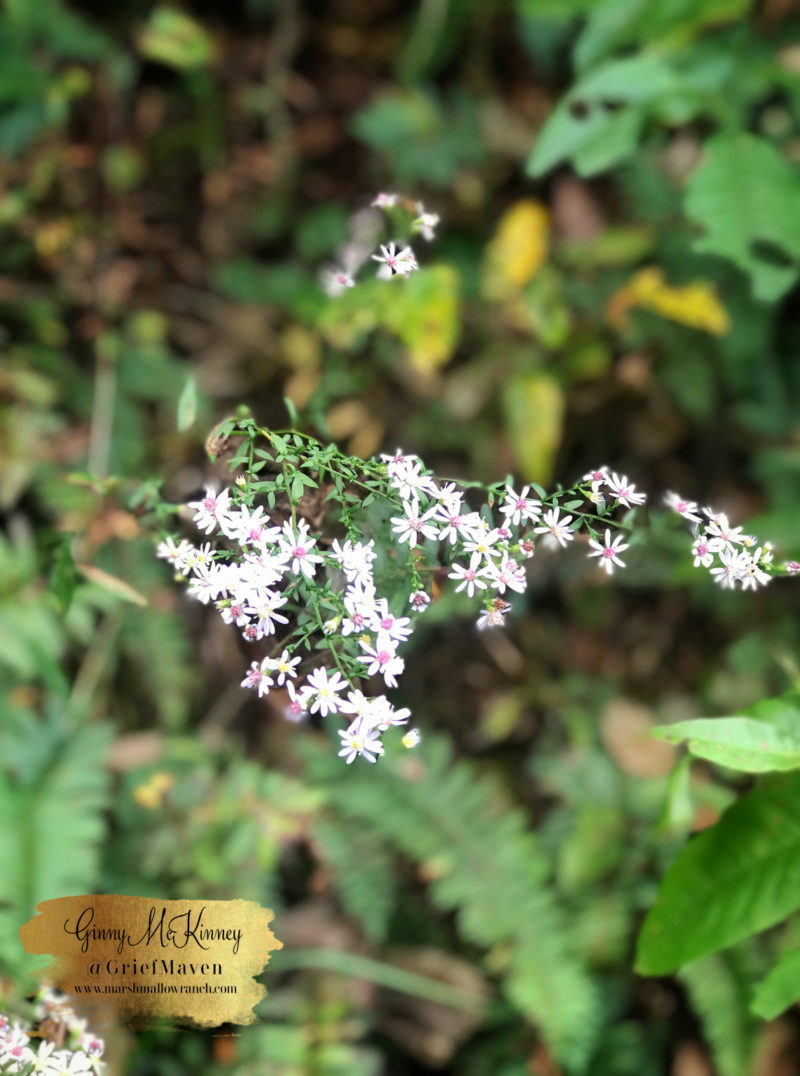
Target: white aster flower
column 425, row 223
column 469, row 577
column 414, row 525
column 385, row 200
column 324, row 691
column 687, row 509
column 398, row 262
column 553, row 524
column 357, row 741
column 258, row 677
column 703, row 552
column 177, row 555
column 211, row 513
column 297, row 548
column 411, row 738
column 609, row 551
column 283, row 667
column 731, row 568
column 520, row 507
column 383, row 660
column 624, row 491
column 419, row 600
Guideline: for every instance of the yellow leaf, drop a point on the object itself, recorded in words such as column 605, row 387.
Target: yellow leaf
column 534, row 409
column 517, row 250
column 425, row 316
column 695, row 305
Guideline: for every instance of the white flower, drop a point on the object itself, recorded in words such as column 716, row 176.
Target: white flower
column 411, row 738
column 412, row 526
column 687, row 509
column 791, row 567
column 470, row 577
column 264, row 609
column 450, row 515
column 420, row 600
column 284, row 666
column 177, row 555
column 609, row 551
column 519, row 507
column 557, row 527
column 360, row 605
column 257, row 676
column 298, row 702
column 483, row 546
column 335, row 281
column 409, row 480
column 253, row 527
column 383, row 660
column 507, row 574
column 357, row 741
column 297, row 547
column 324, row 691
column 384, row 200
column 753, row 575
column 726, row 536
column 425, row 223
column 624, row 491
column 599, row 475
column 732, row 566
column 64, row 1063
column 355, row 560
column 399, row 262
column 212, row 511
column 15, row 1049
column 491, row 618
column 391, row 629
column 703, row 553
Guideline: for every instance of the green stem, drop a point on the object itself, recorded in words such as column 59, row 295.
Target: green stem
column 375, row 971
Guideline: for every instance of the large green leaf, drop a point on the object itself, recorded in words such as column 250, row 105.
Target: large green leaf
column 780, row 989
column 598, row 123
column 746, row 197
column 739, row 877
column 739, row 742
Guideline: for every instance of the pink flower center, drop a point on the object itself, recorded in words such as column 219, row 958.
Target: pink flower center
column 415, row 524
column 236, row 610
column 702, row 549
column 250, row 632
column 608, row 552
column 210, row 503
column 387, row 622
column 384, row 657
column 681, row 506
column 299, row 552
column 522, row 504
column 469, row 574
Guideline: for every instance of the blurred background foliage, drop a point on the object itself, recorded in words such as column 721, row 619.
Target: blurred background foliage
column 615, row 282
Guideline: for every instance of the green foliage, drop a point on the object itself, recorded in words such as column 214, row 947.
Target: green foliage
column 462, row 831
column 53, row 794
column 740, row 742
column 745, row 197
column 718, row 990
column 363, row 867
column 739, row 877
column 780, row 988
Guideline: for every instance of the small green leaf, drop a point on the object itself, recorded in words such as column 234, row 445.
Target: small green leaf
column 173, row 38
column 187, row 405
column 742, row 743
column 63, row 575
column 780, row 988
column 736, row 878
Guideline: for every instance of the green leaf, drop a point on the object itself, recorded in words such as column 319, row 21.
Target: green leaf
column 64, row 575
column 746, row 197
column 739, row 877
column 718, row 992
column 741, row 743
column 187, row 404
column 534, row 410
column 598, row 123
column 173, row 38
column 780, row 988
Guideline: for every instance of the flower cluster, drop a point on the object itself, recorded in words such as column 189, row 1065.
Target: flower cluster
column 21, row 1052
column 730, row 555
column 396, row 258
column 281, row 585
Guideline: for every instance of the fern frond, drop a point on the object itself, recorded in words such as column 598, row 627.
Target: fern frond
column 720, row 995
column 484, row 863
column 364, row 872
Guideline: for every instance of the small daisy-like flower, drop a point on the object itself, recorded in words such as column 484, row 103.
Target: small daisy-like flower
column 413, row 526
column 703, row 553
column 425, row 223
column 624, row 491
column 752, row 574
column 283, row 667
column 298, row 703
column 384, row 200
column 411, row 738
column 608, row 551
column 559, row 528
column 357, row 741
column 732, row 565
column 335, row 281
column 258, row 676
column 177, row 555
column 398, row 262
column 212, row 511
column 324, row 691
column 600, row 474
column 469, row 577
column 298, row 547
column 383, row 660
column 491, row 618
column 687, row 509
column 595, row 496
column 726, row 536
column 520, row 507
column 419, row 600
column 791, row 567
